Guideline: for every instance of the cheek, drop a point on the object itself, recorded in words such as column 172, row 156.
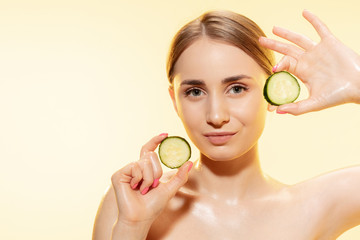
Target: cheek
column 190, row 115
column 251, row 112
column 258, row 112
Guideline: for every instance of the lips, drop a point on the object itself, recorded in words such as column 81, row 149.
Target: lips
column 219, row 138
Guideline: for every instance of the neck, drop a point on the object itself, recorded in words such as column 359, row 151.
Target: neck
column 232, row 180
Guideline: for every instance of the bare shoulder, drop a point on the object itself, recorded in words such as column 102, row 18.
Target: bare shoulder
column 106, row 215
column 331, row 183
column 333, row 198
column 332, row 189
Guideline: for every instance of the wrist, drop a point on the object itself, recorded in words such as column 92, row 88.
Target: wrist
column 357, row 82
column 130, row 231
column 352, row 85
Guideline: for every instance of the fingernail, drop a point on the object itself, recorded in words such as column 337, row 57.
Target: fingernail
column 190, row 166
column 275, row 67
column 155, row 183
column 135, row 185
column 280, row 112
column 145, row 191
column 163, row 134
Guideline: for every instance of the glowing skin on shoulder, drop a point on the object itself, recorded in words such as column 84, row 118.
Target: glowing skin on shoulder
column 217, row 94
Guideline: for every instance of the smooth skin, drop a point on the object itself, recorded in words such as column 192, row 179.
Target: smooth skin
column 217, row 93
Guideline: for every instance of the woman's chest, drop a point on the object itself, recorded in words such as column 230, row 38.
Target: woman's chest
column 204, row 220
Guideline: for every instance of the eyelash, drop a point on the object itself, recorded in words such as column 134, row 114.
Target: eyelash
column 191, row 90
column 242, row 87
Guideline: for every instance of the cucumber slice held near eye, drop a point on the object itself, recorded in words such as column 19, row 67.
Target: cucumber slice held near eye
column 281, row 88
column 174, row 151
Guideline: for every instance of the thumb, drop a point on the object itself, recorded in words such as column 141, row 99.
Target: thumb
column 179, row 179
column 300, row 107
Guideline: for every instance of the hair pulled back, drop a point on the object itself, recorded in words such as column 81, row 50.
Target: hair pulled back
column 225, row 26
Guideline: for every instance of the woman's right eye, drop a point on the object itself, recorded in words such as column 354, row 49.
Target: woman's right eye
column 194, row 92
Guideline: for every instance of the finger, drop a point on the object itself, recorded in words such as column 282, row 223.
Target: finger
column 179, row 179
column 136, row 175
column 156, row 166
column 148, row 177
column 280, row 47
column 319, row 26
column 117, row 177
column 283, row 64
column 298, row 108
column 271, row 108
column 298, row 39
column 152, row 144
column 287, row 63
column 157, row 169
column 130, row 174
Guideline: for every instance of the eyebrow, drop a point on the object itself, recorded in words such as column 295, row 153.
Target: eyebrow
column 194, row 82
column 235, row 78
column 199, row 82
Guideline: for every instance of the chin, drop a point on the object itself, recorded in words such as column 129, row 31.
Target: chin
column 228, row 152
column 221, row 154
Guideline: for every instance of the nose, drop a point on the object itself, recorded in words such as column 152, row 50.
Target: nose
column 217, row 112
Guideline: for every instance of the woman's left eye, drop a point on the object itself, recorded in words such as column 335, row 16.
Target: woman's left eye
column 236, row 89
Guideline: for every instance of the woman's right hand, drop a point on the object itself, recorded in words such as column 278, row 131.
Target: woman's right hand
column 139, row 194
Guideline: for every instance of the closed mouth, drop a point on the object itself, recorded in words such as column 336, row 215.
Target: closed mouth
column 219, row 138
column 219, row 134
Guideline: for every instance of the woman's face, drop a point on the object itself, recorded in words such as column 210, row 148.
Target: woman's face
column 217, row 93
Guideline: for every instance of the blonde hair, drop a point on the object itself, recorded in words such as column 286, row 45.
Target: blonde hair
column 225, row 26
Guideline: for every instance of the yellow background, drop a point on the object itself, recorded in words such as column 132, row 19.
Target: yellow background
column 83, row 86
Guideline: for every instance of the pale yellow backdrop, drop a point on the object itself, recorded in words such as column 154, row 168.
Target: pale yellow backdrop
column 83, row 86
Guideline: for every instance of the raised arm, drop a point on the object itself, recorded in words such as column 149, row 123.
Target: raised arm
column 329, row 69
column 136, row 197
column 331, row 72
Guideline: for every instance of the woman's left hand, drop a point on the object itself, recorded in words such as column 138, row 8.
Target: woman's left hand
column 329, row 69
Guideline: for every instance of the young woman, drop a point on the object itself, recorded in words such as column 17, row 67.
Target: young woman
column 217, row 67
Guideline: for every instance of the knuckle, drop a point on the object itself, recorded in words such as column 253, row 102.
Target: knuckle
column 148, row 180
column 146, row 160
column 115, row 178
column 143, row 150
column 135, row 165
column 158, row 174
column 138, row 176
column 137, row 170
column 152, row 155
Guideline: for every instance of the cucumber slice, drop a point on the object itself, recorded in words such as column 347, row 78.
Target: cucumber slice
column 174, row 151
column 281, row 88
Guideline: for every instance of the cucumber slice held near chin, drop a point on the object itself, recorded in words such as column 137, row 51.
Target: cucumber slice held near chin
column 174, row 151
column 281, row 88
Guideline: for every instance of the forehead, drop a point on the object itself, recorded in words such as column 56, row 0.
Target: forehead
column 209, row 59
